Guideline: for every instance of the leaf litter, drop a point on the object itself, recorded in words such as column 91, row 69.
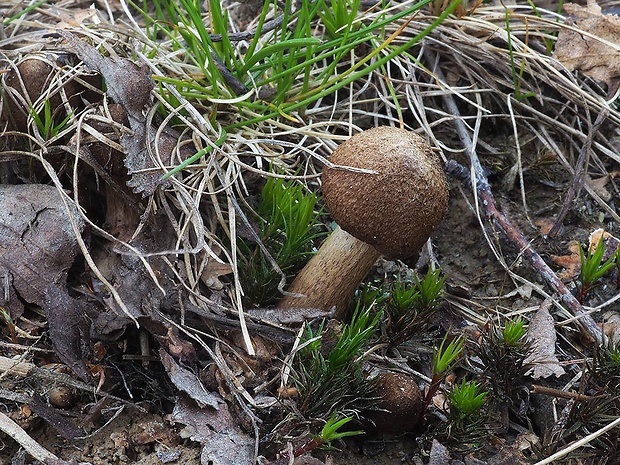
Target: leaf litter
column 157, row 259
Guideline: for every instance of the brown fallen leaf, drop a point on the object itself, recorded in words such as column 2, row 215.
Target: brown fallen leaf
column 610, row 242
column 37, row 248
column 542, row 336
column 544, row 224
column 130, row 85
column 590, row 55
column 188, row 382
column 76, row 18
column 571, row 262
column 59, row 422
column 211, row 273
column 598, row 186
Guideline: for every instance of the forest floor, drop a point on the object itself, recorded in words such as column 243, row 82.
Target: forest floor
column 124, row 337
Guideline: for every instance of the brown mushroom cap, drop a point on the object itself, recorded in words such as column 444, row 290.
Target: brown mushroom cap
column 396, row 209
column 399, row 403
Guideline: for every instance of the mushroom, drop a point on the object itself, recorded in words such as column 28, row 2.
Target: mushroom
column 399, row 402
column 390, row 207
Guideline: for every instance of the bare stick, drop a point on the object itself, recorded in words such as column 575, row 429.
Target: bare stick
column 31, row 446
column 487, row 202
column 580, row 171
column 31, row 371
column 548, row 391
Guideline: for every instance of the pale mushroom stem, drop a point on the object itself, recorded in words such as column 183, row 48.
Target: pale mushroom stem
column 330, row 278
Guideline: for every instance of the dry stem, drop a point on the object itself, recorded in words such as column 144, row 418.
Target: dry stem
column 480, row 184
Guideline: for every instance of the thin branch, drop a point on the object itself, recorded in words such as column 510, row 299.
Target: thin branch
column 12, row 429
column 580, row 171
column 479, row 182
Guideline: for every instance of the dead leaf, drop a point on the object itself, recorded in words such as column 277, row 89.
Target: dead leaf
column 289, row 316
column 544, row 224
column 76, row 18
column 571, row 263
column 598, row 186
column 587, row 54
column 611, row 243
column 37, row 248
column 212, row 271
column 188, row 382
column 158, row 432
column 541, row 334
column 58, row 421
column 130, row 85
column 223, row 441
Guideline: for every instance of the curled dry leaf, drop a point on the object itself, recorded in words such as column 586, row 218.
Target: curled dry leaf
column 541, row 334
column 130, row 85
column 571, row 262
column 588, row 52
column 211, row 273
column 77, row 18
column 187, row 382
column 598, row 186
column 610, row 242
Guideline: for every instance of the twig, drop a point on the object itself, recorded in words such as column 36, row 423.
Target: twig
column 247, row 35
column 582, row 442
column 30, row 371
column 31, row 446
column 545, row 390
column 580, row 170
column 480, row 183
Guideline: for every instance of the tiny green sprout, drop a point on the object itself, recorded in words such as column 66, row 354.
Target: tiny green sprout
column 339, row 17
column 613, row 357
column 445, row 358
column 47, row 127
column 411, row 305
column 501, row 354
column 330, row 430
column 332, row 381
column 372, row 293
column 431, row 288
column 604, row 368
column 328, row 433
column 404, row 298
column 467, row 398
column 289, row 222
column 592, row 268
column 513, row 332
column 353, row 337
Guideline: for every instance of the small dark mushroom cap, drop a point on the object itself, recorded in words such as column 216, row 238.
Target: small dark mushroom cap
column 398, row 405
column 397, row 209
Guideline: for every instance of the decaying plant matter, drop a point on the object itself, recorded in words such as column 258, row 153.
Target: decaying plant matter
column 157, row 125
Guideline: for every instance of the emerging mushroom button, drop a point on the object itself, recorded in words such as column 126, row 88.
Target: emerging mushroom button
column 390, row 209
